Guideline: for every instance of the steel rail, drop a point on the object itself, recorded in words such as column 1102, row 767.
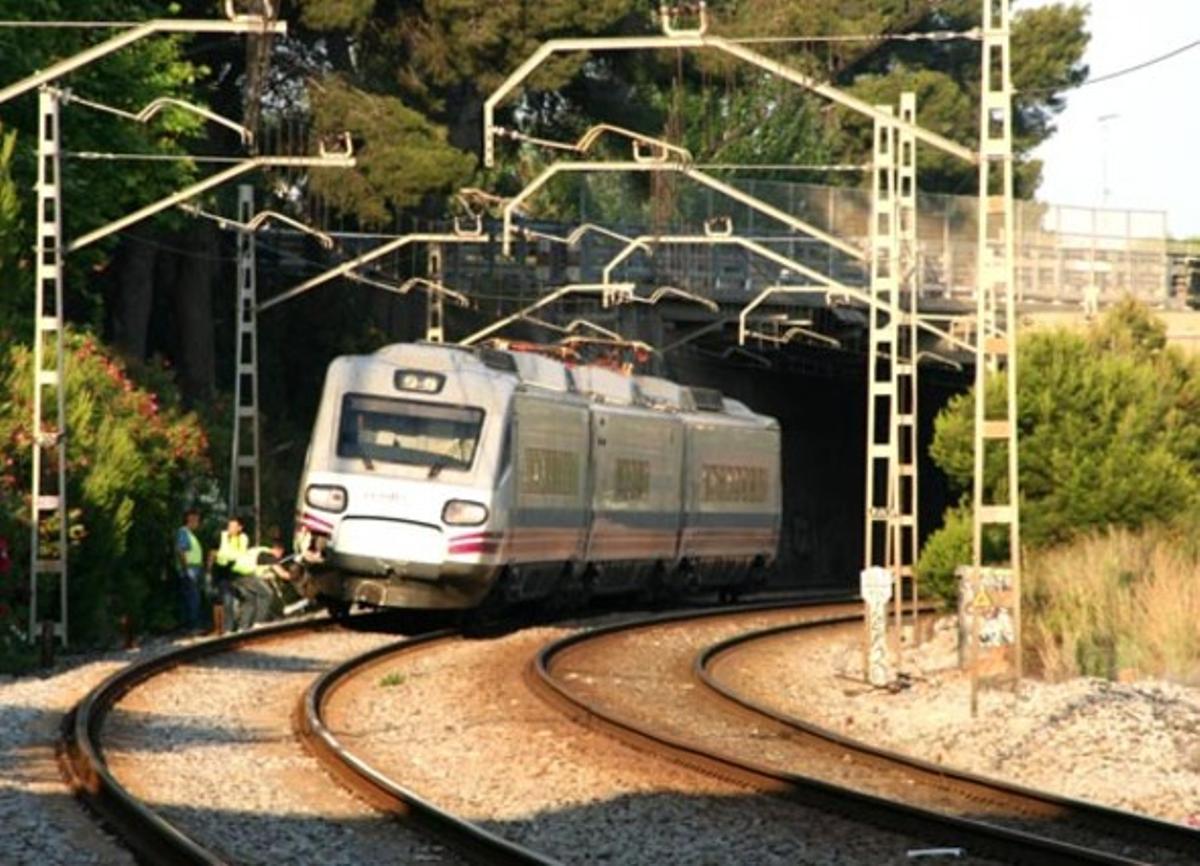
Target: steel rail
column 1119, row 823
column 893, row 816
column 466, row 837
column 81, row 756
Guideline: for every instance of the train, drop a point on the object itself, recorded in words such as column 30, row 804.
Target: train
column 443, row 476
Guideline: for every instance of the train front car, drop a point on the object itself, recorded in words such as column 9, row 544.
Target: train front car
column 401, row 500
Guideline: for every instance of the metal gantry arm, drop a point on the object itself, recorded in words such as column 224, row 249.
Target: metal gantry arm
column 221, row 177
column 258, row 221
column 708, row 180
column 827, row 285
column 657, row 149
column 346, row 268
column 236, row 24
column 681, row 294
column 577, row 234
column 701, row 40
column 793, row 332
column 602, row 289
column 153, row 109
column 769, row 291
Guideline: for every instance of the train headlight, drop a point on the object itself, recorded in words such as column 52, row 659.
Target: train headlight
column 327, row 497
column 460, row 512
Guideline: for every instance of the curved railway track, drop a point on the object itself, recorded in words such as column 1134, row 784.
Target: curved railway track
column 777, row 755
column 694, row 717
column 374, row 785
column 414, row 710
column 1004, row 804
column 165, row 833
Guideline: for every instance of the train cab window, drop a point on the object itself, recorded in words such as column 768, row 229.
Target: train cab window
column 408, row 432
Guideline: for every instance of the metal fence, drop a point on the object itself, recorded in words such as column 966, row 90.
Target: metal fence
column 1063, row 253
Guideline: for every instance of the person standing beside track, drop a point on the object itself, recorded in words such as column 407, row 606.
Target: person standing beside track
column 250, row 571
column 233, row 544
column 189, row 567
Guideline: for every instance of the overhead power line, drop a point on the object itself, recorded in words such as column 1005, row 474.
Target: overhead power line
column 1109, row 76
column 1144, row 64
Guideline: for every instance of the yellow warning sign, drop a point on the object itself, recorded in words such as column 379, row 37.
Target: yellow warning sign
column 983, row 600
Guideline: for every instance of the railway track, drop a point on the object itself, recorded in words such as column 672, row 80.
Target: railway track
column 530, row 774
column 377, row 787
column 114, row 764
column 702, row 727
column 1005, row 805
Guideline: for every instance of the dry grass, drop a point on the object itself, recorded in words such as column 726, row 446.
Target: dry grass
column 1121, row 604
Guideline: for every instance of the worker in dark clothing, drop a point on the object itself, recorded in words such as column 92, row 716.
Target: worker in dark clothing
column 251, row 571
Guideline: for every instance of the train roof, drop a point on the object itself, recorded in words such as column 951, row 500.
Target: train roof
column 598, row 384
column 606, row 386
column 661, row 393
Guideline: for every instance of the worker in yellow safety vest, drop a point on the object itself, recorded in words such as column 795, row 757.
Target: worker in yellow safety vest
column 250, row 571
column 234, row 543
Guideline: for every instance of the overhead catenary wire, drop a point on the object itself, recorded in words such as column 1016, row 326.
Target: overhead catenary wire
column 1109, row 76
column 975, row 34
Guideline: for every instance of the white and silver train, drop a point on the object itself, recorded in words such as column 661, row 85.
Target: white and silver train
column 440, row 476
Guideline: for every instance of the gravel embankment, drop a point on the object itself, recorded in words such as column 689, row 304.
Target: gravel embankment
column 1133, row 746
column 221, row 757
column 460, row 727
column 211, row 748
column 43, row 825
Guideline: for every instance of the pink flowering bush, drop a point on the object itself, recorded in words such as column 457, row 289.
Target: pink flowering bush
column 132, row 453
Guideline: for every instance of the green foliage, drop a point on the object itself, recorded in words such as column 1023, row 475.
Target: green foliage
column 14, row 278
column 403, row 158
column 1109, row 430
column 336, row 14
column 133, row 454
column 944, row 551
column 96, row 193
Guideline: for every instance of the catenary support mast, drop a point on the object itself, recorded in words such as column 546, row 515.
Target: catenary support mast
column 48, row 532
column 996, row 326
column 244, row 473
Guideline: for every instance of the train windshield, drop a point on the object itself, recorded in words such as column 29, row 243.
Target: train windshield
column 408, row 432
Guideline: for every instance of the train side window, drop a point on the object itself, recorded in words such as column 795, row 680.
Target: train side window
column 722, row 483
column 549, row 472
column 631, row 480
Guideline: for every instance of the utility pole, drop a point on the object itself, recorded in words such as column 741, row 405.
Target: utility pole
column 905, row 541
column 244, row 451
column 882, row 335
column 995, row 586
column 48, row 529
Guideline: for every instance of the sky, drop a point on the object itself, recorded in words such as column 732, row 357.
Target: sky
column 1142, row 130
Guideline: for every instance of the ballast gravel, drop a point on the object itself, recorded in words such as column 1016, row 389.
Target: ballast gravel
column 43, row 824
column 1132, row 746
column 457, row 724
column 210, row 746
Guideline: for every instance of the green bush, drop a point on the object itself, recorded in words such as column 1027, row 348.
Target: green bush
column 134, row 459
column 1109, row 430
column 945, row 550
